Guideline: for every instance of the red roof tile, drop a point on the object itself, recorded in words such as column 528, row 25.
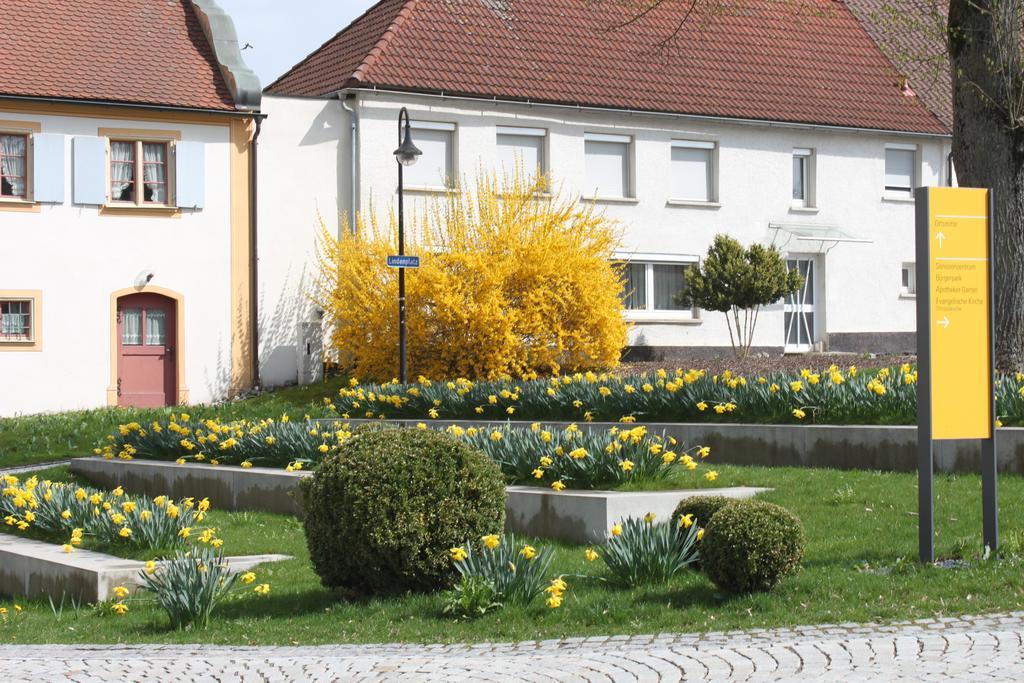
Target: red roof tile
column 151, row 52
column 802, row 61
column 913, row 41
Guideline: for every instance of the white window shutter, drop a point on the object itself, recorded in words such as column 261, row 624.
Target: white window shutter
column 48, row 168
column 90, row 170
column 190, row 174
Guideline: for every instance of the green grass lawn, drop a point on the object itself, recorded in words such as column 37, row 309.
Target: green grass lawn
column 859, row 525
column 53, row 436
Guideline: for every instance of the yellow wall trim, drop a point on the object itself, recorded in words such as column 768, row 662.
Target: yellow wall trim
column 21, row 126
column 36, row 295
column 241, row 248
column 22, row 205
column 99, row 111
column 179, row 339
column 140, row 134
column 130, row 210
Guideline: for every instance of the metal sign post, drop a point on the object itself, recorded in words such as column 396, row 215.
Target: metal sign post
column 955, row 343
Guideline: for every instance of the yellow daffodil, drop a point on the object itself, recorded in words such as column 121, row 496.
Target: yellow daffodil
column 589, row 555
column 119, row 608
column 248, row 577
column 649, row 517
column 263, row 589
column 558, row 485
column 491, row 541
column 617, row 530
column 458, row 554
column 529, row 552
column 711, row 476
column 685, row 521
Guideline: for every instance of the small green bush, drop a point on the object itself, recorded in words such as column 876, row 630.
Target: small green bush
column 382, row 514
column 701, row 507
column 750, row 545
column 472, row 597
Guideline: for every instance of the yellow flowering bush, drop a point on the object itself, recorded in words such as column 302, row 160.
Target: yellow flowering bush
column 58, row 510
column 511, row 280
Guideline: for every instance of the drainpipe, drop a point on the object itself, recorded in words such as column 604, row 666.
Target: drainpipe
column 353, row 155
column 949, row 170
column 254, row 289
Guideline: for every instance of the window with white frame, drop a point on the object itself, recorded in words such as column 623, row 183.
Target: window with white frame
column 435, row 169
column 522, row 148
column 803, row 177
column 908, row 280
column 693, row 171
column 141, row 164
column 657, row 288
column 607, row 165
column 14, row 160
column 900, row 170
column 17, row 320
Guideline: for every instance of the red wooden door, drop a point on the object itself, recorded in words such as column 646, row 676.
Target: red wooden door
column 146, row 365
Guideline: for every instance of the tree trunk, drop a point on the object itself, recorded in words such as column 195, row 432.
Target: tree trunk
column 988, row 145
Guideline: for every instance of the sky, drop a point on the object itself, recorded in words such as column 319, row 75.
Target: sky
column 283, row 33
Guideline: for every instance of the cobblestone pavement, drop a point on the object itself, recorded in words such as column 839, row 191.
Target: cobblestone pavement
column 986, row 648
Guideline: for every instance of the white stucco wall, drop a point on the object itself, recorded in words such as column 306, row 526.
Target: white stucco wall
column 304, row 172
column 861, row 280
column 78, row 258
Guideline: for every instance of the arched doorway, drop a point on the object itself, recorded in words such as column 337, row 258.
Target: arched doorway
column 146, row 356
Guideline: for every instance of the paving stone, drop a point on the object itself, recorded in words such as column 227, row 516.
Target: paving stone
column 975, row 649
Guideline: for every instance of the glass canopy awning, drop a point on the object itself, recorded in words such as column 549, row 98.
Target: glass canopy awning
column 800, row 235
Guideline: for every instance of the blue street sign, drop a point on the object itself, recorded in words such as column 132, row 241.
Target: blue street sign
column 403, row 261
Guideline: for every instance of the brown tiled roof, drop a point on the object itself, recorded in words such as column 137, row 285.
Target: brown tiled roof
column 802, row 61
column 912, row 39
column 150, row 52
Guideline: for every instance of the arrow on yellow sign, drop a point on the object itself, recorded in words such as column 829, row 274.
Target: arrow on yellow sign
column 944, row 322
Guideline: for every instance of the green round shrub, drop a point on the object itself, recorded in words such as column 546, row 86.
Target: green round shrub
column 701, row 507
column 750, row 545
column 381, row 514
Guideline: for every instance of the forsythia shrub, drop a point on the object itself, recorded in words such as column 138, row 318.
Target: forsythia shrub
column 382, row 514
column 751, row 545
column 511, row 281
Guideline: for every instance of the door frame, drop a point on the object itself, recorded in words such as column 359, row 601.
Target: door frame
column 817, row 308
column 181, row 389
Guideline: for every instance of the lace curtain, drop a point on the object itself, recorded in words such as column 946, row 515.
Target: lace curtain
column 12, row 170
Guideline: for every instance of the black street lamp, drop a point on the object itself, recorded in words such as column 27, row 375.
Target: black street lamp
column 406, row 155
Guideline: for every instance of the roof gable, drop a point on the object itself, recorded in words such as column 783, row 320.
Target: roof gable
column 146, row 52
column 800, row 61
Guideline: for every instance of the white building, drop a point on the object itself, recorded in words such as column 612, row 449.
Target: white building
column 769, row 124
column 125, row 148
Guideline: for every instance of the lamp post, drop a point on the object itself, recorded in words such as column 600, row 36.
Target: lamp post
column 406, row 155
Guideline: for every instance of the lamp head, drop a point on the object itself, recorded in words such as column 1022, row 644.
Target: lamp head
column 407, row 153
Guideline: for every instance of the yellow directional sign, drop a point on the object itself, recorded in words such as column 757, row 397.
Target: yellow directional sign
column 958, row 291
